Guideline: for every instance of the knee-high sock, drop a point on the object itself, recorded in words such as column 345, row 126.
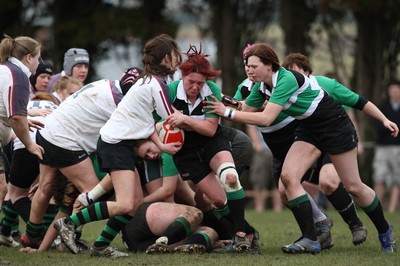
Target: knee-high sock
column 302, row 211
column 200, row 238
column 220, row 224
column 375, row 213
column 344, row 204
column 10, row 217
column 111, row 230
column 95, row 212
column 236, row 205
column 23, row 207
column 177, row 230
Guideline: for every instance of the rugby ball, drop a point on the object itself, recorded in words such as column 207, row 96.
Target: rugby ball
column 170, row 134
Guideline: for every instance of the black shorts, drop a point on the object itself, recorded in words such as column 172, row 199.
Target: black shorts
column 24, row 168
column 118, row 156
column 312, row 174
column 137, row 235
column 329, row 128
column 194, row 164
column 57, row 157
column 280, row 141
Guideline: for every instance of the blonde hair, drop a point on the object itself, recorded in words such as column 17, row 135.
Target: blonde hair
column 18, row 47
column 63, row 82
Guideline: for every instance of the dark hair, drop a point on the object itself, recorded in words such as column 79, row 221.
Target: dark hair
column 154, row 52
column 266, row 54
column 393, row 82
column 18, row 47
column 197, row 62
column 299, row 60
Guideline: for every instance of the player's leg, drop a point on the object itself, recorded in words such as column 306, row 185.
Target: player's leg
column 200, row 241
column 129, row 196
column 223, row 165
column 333, row 189
column 176, row 222
column 299, row 159
column 40, row 202
column 347, row 168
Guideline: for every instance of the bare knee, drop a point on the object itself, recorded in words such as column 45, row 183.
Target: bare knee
column 354, row 189
column 328, row 185
column 219, row 202
column 193, row 215
column 232, row 181
column 288, row 180
column 128, row 206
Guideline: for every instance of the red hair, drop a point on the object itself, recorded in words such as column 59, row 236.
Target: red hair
column 197, row 62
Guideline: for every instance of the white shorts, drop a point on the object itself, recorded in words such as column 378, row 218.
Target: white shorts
column 386, row 164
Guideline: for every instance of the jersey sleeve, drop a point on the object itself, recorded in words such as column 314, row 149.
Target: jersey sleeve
column 256, row 98
column 216, row 91
column 339, row 92
column 168, row 165
column 18, row 97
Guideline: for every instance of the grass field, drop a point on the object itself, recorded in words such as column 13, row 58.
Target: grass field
column 275, row 229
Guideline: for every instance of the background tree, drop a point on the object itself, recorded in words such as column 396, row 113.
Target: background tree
column 235, row 24
column 88, row 24
column 377, row 49
column 296, row 19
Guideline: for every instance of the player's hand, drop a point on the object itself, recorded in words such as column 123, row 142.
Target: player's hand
column 36, row 149
column 176, row 119
column 393, row 128
column 171, row 148
column 39, row 112
column 34, row 124
column 214, row 107
column 28, row 250
column 78, row 205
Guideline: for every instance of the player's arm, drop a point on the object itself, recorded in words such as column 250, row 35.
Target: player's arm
column 206, row 127
column 247, row 108
column 372, row 110
column 20, row 125
column 264, row 118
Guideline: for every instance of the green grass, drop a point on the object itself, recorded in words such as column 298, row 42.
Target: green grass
column 275, row 229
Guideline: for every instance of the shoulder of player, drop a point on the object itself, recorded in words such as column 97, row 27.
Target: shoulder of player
column 215, row 89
